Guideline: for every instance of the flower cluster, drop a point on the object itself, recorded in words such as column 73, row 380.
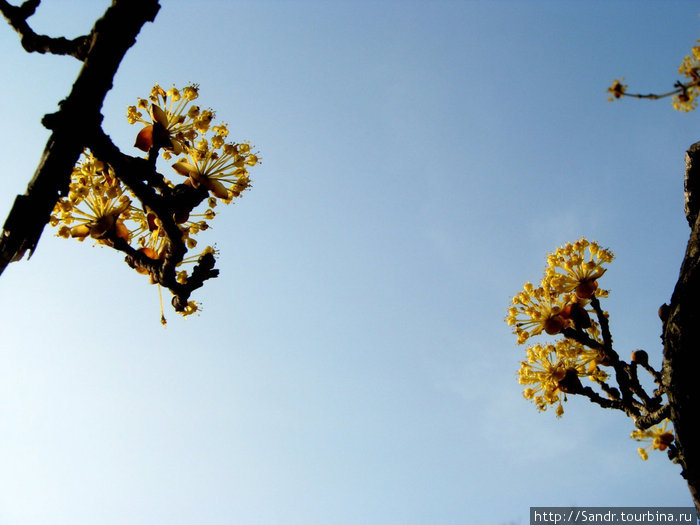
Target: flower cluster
column 185, row 131
column 687, row 99
column 561, row 302
column 659, row 437
column 99, row 205
column 684, row 96
column 617, row 90
column 551, row 371
column 567, row 303
column 561, row 299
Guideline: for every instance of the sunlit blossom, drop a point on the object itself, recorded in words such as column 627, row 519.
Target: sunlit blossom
column 658, row 437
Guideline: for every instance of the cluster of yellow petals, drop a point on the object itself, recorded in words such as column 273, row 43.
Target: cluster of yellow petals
column 553, row 370
column 219, row 167
column 576, row 267
column 97, row 205
column 173, row 121
column 187, row 134
column 536, row 310
column 684, row 96
column 560, row 301
column 658, row 436
column 100, row 207
column 617, row 90
column 687, row 99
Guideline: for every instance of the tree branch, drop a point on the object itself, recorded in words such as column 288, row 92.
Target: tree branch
column 138, row 174
column 681, row 338
column 652, row 418
column 32, row 42
column 77, row 119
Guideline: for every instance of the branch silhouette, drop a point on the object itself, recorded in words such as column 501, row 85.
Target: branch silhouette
column 79, row 116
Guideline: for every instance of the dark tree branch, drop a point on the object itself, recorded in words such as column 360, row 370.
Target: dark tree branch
column 596, row 398
column 630, row 397
column 77, row 119
column 139, row 174
column 582, row 337
column 32, row 42
column 653, row 418
column 637, row 387
column 681, row 338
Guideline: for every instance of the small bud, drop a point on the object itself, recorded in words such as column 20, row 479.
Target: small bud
column 181, row 216
column 570, row 384
column 663, row 441
column 554, row 325
column 579, row 316
column 144, row 140
column 586, row 289
column 640, row 356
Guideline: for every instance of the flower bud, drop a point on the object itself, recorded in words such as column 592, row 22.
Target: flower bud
column 578, row 315
column 554, row 325
column 570, row 384
column 640, row 356
column 586, row 289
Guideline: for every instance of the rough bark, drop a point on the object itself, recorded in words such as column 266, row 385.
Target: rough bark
column 681, row 338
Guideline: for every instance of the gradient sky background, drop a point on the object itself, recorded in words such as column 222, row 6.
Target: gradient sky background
column 351, row 364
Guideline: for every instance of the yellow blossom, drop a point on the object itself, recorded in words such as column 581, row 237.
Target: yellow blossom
column 685, row 101
column 191, row 308
column 617, row 90
column 211, row 169
column 658, row 436
column 536, row 310
column 575, row 267
column 551, row 371
column 172, row 124
column 96, row 205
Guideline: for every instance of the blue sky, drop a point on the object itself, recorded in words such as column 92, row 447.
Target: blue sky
column 351, row 364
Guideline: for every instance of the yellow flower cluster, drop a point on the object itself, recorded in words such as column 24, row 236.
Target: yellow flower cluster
column 617, row 90
column 553, row 370
column 659, row 437
column 100, row 207
column 687, row 99
column 97, row 205
column 536, row 310
column 560, row 301
column 575, row 267
column 186, row 132
column 173, row 121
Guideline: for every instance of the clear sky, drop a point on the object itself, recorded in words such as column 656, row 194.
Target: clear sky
column 351, row 364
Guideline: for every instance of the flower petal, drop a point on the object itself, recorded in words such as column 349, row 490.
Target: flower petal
column 185, row 168
column 82, row 230
column 159, row 116
column 144, row 140
column 216, row 187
